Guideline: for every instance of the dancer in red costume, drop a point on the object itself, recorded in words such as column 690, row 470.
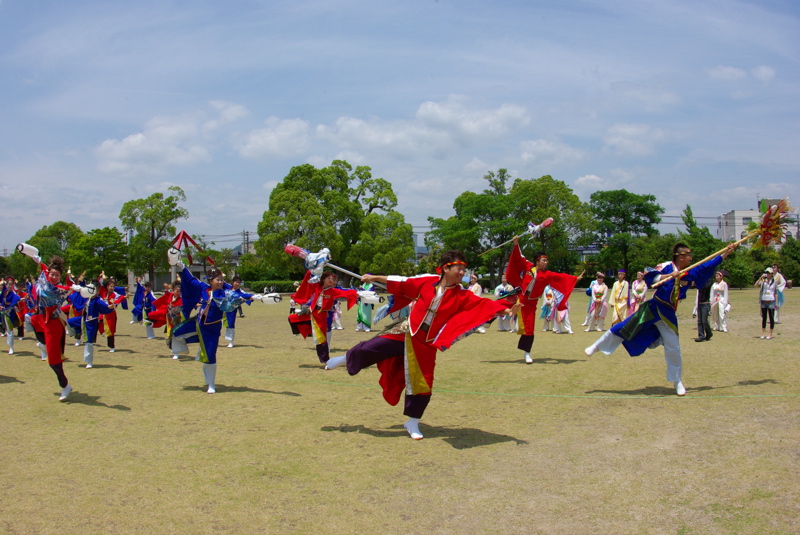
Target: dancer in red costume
column 442, row 310
column 319, row 298
column 110, row 293
column 531, row 278
column 48, row 320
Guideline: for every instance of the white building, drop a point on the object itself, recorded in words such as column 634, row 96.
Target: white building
column 733, row 225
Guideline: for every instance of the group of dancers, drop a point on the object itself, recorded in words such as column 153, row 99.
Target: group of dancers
column 432, row 312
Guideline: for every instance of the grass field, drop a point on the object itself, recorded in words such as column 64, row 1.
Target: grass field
column 567, row 445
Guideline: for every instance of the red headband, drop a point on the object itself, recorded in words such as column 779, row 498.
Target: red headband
column 457, row 263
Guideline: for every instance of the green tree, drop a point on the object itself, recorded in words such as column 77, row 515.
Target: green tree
column 315, row 208
column 789, row 259
column 54, row 239
column 698, row 238
column 385, row 245
column 100, row 250
column 484, row 220
column 153, row 221
column 621, row 217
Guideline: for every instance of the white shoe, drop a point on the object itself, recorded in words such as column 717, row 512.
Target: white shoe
column 335, row 362
column 11, row 351
column 528, row 359
column 366, row 330
column 77, row 344
column 230, row 345
column 412, row 426
column 88, row 366
column 111, row 350
column 211, row 390
column 590, row 350
column 174, row 357
column 679, row 389
column 65, row 392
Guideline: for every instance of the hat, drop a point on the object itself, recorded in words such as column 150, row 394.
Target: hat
column 768, row 270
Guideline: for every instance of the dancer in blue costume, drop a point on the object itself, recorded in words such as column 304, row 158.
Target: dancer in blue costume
column 88, row 323
column 204, row 327
column 655, row 323
column 8, row 311
column 230, row 317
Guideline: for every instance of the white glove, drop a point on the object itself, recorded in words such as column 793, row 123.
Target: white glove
column 369, row 297
column 174, row 258
column 88, row 291
column 29, row 250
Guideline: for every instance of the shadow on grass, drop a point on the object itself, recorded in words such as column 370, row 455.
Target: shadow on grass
column 663, row 391
column 319, row 366
column 222, row 389
column 100, row 366
column 460, row 438
column 94, row 401
column 5, row 379
column 237, row 345
column 660, row 391
column 535, row 361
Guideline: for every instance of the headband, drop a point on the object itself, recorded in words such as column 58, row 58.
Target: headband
column 456, row 263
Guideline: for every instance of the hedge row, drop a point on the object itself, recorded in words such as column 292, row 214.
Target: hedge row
column 280, row 286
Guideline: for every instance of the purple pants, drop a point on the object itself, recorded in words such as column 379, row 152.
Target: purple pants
column 369, row 352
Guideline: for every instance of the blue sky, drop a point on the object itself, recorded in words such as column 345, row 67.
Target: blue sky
column 102, row 102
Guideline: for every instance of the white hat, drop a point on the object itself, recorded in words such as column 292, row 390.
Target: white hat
column 768, row 270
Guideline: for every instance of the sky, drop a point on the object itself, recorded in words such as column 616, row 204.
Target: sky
column 696, row 102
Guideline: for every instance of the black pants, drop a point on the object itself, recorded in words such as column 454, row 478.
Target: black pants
column 59, row 369
column 373, row 351
column 525, row 343
column 703, row 325
column 767, row 312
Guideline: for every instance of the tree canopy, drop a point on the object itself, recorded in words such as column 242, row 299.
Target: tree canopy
column 487, row 219
column 100, row 250
column 621, row 217
column 335, row 207
column 53, row 239
column 153, row 221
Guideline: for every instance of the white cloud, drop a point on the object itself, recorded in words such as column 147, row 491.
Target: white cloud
column 476, row 165
column 633, row 139
column 436, row 130
column 229, row 112
column 541, row 151
column 763, row 73
column 281, row 138
column 729, row 74
column 591, row 183
column 471, row 125
column 165, row 141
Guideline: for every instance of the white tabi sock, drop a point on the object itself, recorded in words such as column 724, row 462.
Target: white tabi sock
column 88, row 354
column 148, row 329
column 210, row 374
column 335, row 362
column 412, row 426
column 42, row 350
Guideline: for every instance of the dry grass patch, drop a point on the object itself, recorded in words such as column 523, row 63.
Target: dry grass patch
column 568, row 444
